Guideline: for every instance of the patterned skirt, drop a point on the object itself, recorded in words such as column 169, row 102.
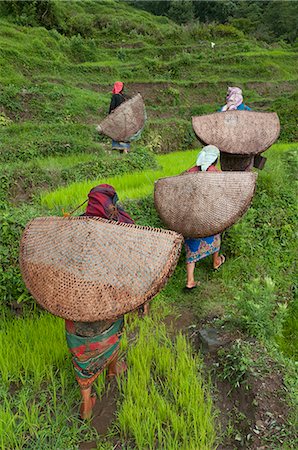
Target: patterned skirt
column 197, row 249
column 91, row 354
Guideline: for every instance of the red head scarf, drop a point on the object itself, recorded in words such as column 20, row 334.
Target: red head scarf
column 103, row 203
column 118, row 87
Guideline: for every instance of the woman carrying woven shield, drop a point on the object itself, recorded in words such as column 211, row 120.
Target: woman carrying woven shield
column 197, row 249
column 117, row 99
column 95, row 345
column 234, row 100
column 234, row 162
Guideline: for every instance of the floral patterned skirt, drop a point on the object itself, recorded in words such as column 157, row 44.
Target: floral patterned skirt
column 197, row 249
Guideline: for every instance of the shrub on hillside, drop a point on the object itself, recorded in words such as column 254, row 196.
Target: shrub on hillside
column 12, row 224
column 32, row 12
column 82, row 50
column 258, row 312
column 227, row 31
column 287, row 110
column 168, row 136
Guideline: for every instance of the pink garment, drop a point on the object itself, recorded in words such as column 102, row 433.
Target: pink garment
column 197, row 169
column 234, row 99
column 118, row 87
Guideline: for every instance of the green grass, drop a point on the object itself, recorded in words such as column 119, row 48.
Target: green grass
column 37, row 386
column 165, row 402
column 128, row 186
column 165, row 384
column 65, row 78
column 55, row 85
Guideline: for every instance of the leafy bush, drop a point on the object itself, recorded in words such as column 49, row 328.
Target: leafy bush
column 32, row 12
column 235, row 364
column 258, row 311
column 288, row 339
column 168, row 136
column 12, row 223
column 82, row 49
column 225, row 31
column 23, row 142
column 4, row 120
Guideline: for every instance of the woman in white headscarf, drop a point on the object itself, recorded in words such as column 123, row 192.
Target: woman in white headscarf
column 197, row 249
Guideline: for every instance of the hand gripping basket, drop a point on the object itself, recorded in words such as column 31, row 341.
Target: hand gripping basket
column 240, row 132
column 204, row 203
column 88, row 269
column 126, row 120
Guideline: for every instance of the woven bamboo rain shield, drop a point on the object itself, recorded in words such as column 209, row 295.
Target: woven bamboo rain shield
column 87, row 269
column 126, row 120
column 204, row 203
column 240, row 132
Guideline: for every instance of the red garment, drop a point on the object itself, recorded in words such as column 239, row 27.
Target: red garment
column 103, row 203
column 118, row 87
column 211, row 168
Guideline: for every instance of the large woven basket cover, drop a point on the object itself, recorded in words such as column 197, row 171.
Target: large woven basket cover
column 204, row 203
column 126, row 120
column 88, row 269
column 241, row 132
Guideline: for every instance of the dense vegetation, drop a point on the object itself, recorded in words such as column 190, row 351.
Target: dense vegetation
column 58, row 61
column 269, row 20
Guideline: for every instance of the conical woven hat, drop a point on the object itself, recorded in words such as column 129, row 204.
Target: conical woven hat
column 204, row 203
column 88, row 269
column 241, row 132
column 126, row 120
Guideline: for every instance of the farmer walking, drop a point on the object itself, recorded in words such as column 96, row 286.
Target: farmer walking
column 235, row 162
column 117, row 99
column 234, row 100
column 95, row 345
column 197, row 249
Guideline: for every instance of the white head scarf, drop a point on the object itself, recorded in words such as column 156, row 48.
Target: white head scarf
column 234, row 99
column 207, row 156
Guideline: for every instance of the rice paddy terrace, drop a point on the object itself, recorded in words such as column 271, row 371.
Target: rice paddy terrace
column 55, row 87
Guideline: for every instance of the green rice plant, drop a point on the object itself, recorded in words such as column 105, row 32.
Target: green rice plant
column 166, row 402
column 100, row 384
column 32, row 349
column 128, row 186
column 8, row 425
column 38, row 386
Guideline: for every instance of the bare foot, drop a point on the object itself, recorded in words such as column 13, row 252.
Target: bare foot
column 87, row 407
column 144, row 310
column 117, row 369
column 192, row 285
column 221, row 259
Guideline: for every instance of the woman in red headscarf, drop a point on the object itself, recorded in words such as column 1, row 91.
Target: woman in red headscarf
column 117, row 96
column 116, row 100
column 95, row 345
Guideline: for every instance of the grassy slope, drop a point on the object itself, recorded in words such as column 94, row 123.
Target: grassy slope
column 56, row 87
column 53, row 90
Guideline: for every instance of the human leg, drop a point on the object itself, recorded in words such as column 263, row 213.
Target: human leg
column 87, row 404
column 146, row 309
column 190, row 270
column 218, row 260
column 116, row 367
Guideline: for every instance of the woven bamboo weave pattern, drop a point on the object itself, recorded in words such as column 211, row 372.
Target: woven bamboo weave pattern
column 204, row 203
column 240, row 132
column 89, row 269
column 126, row 120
